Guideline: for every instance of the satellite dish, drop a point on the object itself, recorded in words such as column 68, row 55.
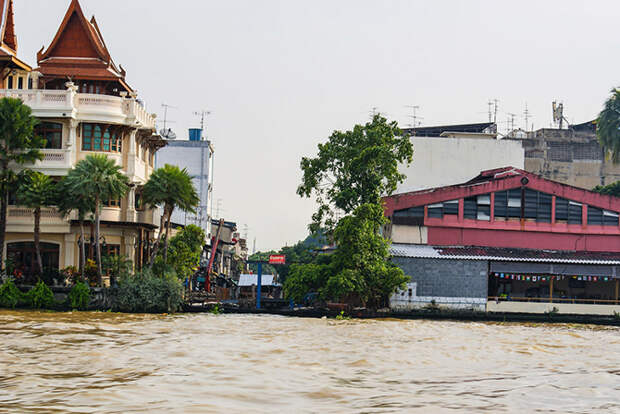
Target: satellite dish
column 168, row 134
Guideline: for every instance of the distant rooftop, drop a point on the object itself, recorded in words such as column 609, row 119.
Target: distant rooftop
column 436, row 131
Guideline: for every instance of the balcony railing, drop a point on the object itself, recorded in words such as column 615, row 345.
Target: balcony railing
column 23, row 212
column 128, row 109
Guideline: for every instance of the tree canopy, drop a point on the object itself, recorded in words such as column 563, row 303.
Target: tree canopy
column 608, row 126
column 354, row 168
column 18, row 144
column 95, row 179
column 171, row 188
column 612, row 189
column 358, row 271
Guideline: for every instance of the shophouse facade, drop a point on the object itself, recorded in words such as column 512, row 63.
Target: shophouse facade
column 84, row 106
column 507, row 240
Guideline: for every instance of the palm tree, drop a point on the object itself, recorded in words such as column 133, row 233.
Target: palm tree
column 608, row 126
column 17, row 145
column 95, row 179
column 70, row 200
column 35, row 191
column 170, row 187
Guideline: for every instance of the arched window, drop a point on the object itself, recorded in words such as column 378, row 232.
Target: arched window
column 52, row 133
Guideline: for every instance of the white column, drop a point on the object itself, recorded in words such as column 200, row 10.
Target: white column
column 131, row 205
column 131, row 156
column 69, row 250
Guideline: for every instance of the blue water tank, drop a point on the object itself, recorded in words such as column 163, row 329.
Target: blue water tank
column 195, row 134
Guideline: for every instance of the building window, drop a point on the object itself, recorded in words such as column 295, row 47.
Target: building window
column 438, row 210
column 97, row 137
column 600, row 217
column 508, row 204
column 113, row 202
column 138, row 201
column 567, row 211
column 29, row 83
column 478, row 208
column 52, row 133
column 20, row 82
column 9, row 82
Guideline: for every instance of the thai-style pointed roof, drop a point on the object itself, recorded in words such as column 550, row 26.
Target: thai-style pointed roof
column 78, row 51
column 8, row 38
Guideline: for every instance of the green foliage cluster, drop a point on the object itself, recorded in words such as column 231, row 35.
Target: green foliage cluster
column 183, row 252
column 354, row 168
column 302, row 252
column 351, row 173
column 612, row 189
column 79, row 296
column 148, row 293
column 608, row 126
column 358, row 271
column 10, row 295
column 170, row 187
column 40, row 296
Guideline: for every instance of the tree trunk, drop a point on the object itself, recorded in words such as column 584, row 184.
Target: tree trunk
column 166, row 237
column 98, row 245
column 161, row 232
column 37, row 239
column 82, row 248
column 4, row 202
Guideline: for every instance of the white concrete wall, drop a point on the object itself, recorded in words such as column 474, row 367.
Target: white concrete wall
column 563, row 308
column 440, row 161
column 403, row 301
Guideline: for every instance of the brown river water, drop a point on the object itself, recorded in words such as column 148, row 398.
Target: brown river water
column 202, row 363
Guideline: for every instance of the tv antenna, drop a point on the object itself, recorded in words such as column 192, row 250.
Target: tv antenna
column 512, row 121
column 493, row 106
column 166, row 106
column 558, row 113
column 414, row 115
column 526, row 115
column 202, row 114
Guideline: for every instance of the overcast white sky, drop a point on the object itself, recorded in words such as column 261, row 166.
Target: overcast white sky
column 280, row 76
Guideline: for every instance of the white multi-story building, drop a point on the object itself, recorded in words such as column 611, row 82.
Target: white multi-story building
column 85, row 106
column 197, row 157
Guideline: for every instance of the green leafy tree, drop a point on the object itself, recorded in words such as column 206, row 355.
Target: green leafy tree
column 97, row 178
column 612, row 189
column 608, row 126
column 354, row 168
column 36, row 190
column 18, row 145
column 359, row 271
column 170, row 187
column 185, row 250
column 72, row 198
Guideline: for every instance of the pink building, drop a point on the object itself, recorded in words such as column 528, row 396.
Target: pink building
column 508, row 240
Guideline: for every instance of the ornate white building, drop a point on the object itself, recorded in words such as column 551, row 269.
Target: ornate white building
column 85, row 106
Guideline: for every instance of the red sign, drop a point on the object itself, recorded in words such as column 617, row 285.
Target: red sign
column 277, row 259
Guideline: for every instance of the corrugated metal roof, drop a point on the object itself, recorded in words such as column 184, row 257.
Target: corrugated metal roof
column 504, row 254
column 249, row 280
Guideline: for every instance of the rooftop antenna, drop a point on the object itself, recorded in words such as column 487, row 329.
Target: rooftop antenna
column 526, row 115
column 512, row 121
column 202, row 114
column 414, row 115
column 558, row 113
column 495, row 106
column 245, row 231
column 166, row 106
